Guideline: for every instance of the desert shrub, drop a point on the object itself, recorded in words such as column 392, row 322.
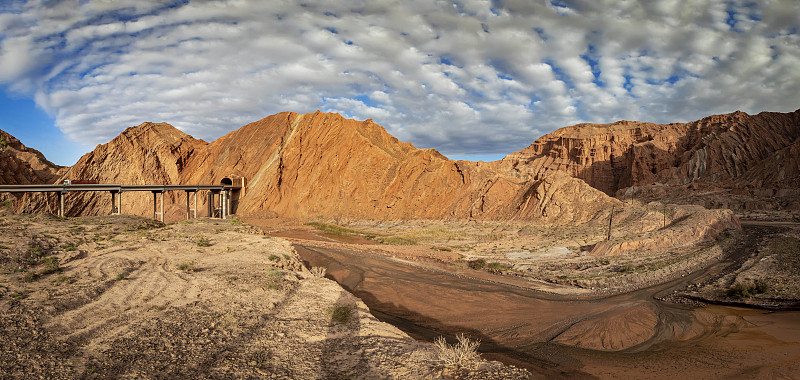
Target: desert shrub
column 477, row 264
column 627, row 268
column 188, row 267
column 395, row 240
column 120, row 277
column 50, row 265
column 273, row 279
column 761, row 286
column 458, row 354
column 746, row 290
column 30, row 277
column 739, row 290
column 3, row 142
column 274, row 258
column 332, row 228
column 318, row 272
column 68, row 246
column 497, row 267
column 341, row 313
column 203, row 241
column 61, row 279
column 237, row 222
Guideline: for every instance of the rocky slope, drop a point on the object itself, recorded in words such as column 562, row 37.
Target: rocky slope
column 735, row 152
column 21, row 165
column 319, row 164
column 150, row 153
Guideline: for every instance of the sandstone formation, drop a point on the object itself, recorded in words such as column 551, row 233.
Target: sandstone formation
column 320, row 164
column 150, row 153
column 323, row 165
column 737, row 153
column 22, row 165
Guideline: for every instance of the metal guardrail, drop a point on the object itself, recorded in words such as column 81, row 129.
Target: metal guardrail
column 116, row 191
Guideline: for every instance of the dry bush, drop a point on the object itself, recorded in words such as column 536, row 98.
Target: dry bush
column 458, row 354
column 318, row 272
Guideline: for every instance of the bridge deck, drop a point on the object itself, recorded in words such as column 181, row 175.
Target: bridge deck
column 117, row 190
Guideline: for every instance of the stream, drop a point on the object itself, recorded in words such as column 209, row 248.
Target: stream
column 628, row 335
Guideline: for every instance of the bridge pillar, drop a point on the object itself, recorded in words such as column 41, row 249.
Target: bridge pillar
column 189, row 210
column 61, row 207
column 158, row 211
column 223, row 204
column 116, row 202
column 212, row 209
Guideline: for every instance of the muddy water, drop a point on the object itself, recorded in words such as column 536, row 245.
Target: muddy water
column 625, row 336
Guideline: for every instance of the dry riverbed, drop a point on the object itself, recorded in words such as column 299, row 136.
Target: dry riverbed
column 122, row 296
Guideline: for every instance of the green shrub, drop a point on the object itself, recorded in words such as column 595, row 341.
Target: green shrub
column 50, row 265
column 395, row 240
column 332, row 228
column 188, row 267
column 68, row 246
column 30, row 277
column 274, row 258
column 341, row 313
column 203, row 241
column 477, row 264
column 747, row 290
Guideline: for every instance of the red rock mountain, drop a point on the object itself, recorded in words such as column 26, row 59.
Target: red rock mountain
column 319, row 164
column 21, row 165
column 735, row 153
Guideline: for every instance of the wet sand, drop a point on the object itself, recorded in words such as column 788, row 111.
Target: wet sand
column 631, row 335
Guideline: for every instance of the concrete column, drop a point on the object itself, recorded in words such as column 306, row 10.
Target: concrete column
column 228, row 196
column 61, row 207
column 119, row 206
column 155, row 201
column 188, row 210
column 223, row 202
column 210, row 204
column 114, row 210
column 195, row 204
column 161, row 198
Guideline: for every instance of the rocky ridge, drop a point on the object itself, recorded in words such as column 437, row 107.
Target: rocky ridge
column 304, row 166
column 736, row 153
column 21, row 165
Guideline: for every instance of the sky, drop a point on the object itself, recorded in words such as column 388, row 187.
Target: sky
column 473, row 79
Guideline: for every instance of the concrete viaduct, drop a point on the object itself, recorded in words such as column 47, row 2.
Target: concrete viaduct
column 221, row 193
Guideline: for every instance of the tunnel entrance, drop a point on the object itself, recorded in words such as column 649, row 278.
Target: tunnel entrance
column 235, row 188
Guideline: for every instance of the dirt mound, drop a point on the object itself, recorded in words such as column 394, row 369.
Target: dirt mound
column 734, row 151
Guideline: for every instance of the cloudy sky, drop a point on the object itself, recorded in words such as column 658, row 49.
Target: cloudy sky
column 470, row 78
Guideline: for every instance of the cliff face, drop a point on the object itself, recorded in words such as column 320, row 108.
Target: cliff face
column 150, row 153
column 733, row 151
column 22, row 165
column 322, row 164
column 319, row 164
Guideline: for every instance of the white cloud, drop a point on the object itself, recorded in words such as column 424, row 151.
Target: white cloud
column 466, row 77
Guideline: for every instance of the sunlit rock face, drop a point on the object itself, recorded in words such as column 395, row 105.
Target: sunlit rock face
column 732, row 151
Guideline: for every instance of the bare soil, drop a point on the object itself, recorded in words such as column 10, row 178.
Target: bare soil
column 127, row 297
column 569, row 331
